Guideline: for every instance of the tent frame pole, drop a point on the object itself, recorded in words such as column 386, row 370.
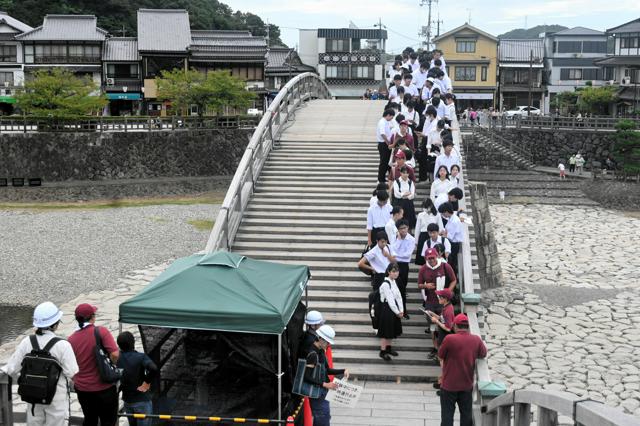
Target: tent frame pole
column 280, row 376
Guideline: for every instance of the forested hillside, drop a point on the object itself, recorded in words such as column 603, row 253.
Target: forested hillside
column 119, row 16
column 533, row 32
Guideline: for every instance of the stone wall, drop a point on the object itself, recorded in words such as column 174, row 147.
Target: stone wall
column 486, row 246
column 550, row 146
column 119, row 155
column 480, row 155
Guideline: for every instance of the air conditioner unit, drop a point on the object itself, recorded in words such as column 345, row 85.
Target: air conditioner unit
column 111, row 81
column 626, row 80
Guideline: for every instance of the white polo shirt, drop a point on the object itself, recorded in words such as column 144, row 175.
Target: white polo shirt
column 377, row 259
column 377, row 217
column 384, row 128
column 403, row 248
column 455, row 233
column 391, row 230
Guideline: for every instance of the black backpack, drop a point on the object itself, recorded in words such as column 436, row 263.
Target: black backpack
column 375, row 307
column 39, row 373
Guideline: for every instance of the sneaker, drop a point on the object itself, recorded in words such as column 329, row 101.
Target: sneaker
column 391, row 352
column 384, row 355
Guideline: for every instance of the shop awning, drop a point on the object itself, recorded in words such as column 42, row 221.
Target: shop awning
column 474, row 95
column 7, row 99
column 124, row 96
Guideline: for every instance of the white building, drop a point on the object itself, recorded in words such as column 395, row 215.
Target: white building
column 350, row 60
column 11, row 60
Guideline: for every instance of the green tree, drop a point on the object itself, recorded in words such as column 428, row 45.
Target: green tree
column 565, row 101
column 627, row 147
column 596, row 100
column 59, row 93
column 212, row 91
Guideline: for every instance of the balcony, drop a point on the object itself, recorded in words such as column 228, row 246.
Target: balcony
column 67, row 59
column 362, row 56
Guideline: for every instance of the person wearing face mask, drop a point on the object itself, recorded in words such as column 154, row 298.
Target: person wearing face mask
column 320, row 409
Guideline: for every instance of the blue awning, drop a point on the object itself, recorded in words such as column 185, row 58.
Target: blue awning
column 125, row 96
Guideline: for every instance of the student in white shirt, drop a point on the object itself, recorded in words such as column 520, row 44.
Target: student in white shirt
column 428, row 216
column 409, row 87
column 390, row 227
column 448, row 158
column 437, row 55
column 404, row 191
column 377, row 260
column 393, row 90
column 413, row 62
column 46, row 318
column 383, row 137
column 403, row 248
column 450, row 108
column 427, row 89
column 435, row 238
column 441, row 184
column 377, row 216
column 391, row 312
column 374, row 198
column 454, row 232
column 420, row 76
column 455, row 176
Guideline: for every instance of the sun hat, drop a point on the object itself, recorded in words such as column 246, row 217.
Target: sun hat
column 314, row 318
column 327, row 334
column 46, row 314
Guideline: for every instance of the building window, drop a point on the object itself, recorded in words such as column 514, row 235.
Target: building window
column 609, row 73
column 355, row 44
column 6, row 79
column 571, row 74
column 590, row 74
column 28, row 54
column 465, row 46
column 362, row 72
column 569, row 47
column 483, row 74
column 122, row 71
column 337, row 45
column 594, row 47
column 465, row 73
column 8, row 54
column 337, row 71
column 629, row 42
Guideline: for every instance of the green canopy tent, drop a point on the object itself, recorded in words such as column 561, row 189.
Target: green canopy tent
column 221, row 291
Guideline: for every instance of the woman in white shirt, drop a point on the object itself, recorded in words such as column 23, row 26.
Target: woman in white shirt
column 456, row 177
column 404, row 191
column 428, row 215
column 442, row 184
column 391, row 312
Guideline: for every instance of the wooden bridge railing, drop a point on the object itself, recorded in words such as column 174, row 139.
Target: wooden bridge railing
column 291, row 97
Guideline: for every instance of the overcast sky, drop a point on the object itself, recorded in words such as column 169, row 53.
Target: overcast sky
column 404, row 18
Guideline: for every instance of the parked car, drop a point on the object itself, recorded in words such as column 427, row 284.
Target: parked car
column 522, row 111
column 255, row 112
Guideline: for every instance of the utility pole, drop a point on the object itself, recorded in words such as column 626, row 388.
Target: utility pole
column 268, row 28
column 427, row 31
column 438, row 22
column 530, row 81
column 380, row 39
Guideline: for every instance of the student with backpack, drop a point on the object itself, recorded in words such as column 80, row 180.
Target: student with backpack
column 434, row 239
column 44, row 363
column 138, row 373
column 391, row 312
column 428, row 216
column 98, row 399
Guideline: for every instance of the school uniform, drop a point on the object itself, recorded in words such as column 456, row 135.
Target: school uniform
column 377, row 218
column 391, row 230
column 446, row 83
column 442, row 110
column 390, row 325
column 446, row 160
column 412, row 90
column 424, row 220
column 415, row 66
column 455, row 234
column 385, row 128
column 443, row 67
column 439, row 186
column 379, row 262
column 440, row 240
column 419, row 78
column 393, row 92
column 426, row 93
column 400, row 187
column 403, row 249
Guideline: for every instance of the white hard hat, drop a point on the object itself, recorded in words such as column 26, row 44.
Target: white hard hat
column 46, row 314
column 314, row 318
column 326, row 333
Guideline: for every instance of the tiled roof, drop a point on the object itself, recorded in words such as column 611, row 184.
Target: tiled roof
column 163, row 30
column 66, row 27
column 578, row 31
column 227, row 45
column 121, row 49
column 462, row 28
column 629, row 27
column 13, row 22
column 279, row 59
column 520, row 50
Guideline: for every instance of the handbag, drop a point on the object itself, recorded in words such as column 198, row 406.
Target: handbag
column 108, row 372
column 364, row 251
column 300, row 387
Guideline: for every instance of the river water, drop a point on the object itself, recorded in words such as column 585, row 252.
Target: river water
column 14, row 320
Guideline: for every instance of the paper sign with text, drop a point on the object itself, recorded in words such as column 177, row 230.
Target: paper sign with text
column 346, row 395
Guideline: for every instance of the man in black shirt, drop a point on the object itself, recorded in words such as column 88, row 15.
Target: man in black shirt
column 138, row 373
column 313, row 320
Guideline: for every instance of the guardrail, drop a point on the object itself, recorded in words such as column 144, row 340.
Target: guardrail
column 548, row 122
column 27, row 124
column 549, row 405
column 484, row 388
column 292, row 96
column 514, row 147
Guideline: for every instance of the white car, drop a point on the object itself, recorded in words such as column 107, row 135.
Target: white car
column 522, row 111
column 255, row 112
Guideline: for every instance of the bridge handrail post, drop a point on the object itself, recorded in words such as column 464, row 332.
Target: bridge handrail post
column 228, row 218
column 6, row 404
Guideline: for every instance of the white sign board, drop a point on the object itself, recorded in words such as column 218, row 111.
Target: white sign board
column 346, row 395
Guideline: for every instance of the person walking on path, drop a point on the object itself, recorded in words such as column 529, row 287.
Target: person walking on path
column 138, row 373
column 98, row 400
column 561, row 168
column 320, row 409
column 572, row 164
column 459, row 353
column 579, row 162
column 46, row 318
column 384, row 131
column 392, row 312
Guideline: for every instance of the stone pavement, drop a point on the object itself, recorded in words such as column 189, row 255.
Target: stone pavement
column 568, row 316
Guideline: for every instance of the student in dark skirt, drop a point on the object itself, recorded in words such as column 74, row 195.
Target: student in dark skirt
column 404, row 191
column 428, row 216
column 391, row 314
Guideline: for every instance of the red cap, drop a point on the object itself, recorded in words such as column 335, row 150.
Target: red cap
column 431, row 252
column 446, row 293
column 461, row 319
column 85, row 310
column 400, row 154
column 404, row 122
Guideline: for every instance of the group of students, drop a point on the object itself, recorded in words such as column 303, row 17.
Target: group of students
column 77, row 367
